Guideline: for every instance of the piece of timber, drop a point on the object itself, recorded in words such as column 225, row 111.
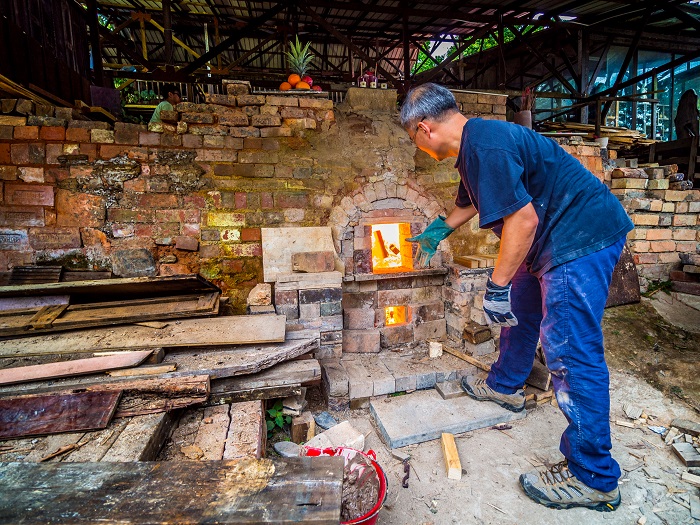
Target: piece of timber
column 24, row 303
column 449, row 451
column 253, row 394
column 215, row 331
column 219, row 363
column 686, row 426
column 291, row 373
column 247, row 432
column 151, row 370
column 115, row 289
column 212, row 432
column 51, row 318
column 293, row 490
column 165, row 386
column 467, row 358
column 92, row 365
column 539, row 376
column 52, row 414
column 142, row 438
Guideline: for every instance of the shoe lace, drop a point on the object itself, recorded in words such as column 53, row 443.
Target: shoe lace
column 556, row 473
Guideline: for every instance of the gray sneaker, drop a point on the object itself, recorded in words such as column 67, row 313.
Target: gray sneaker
column 479, row 390
column 558, row 488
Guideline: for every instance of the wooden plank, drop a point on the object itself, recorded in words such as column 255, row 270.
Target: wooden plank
column 96, row 444
column 23, row 374
column 293, row 490
column 142, row 438
column 686, row 426
column 691, row 478
column 142, row 371
column 70, row 317
column 449, row 452
column 115, row 289
column 303, row 428
column 253, row 394
column 212, row 432
column 21, row 303
column 467, row 358
column 220, row 363
column 162, row 386
column 247, row 432
column 687, row 454
column 290, row 373
column 218, row 331
column 56, row 413
column 539, row 376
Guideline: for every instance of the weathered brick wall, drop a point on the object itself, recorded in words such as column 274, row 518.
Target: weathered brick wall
column 192, row 195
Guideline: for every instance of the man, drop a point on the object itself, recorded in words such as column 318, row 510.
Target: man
column 561, row 233
column 171, row 98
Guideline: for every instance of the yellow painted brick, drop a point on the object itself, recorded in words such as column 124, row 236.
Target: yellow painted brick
column 632, row 184
column 645, row 219
column 658, row 184
column 638, row 234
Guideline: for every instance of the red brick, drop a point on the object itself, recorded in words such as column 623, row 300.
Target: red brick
column 28, row 194
column 291, row 200
column 173, row 269
column 645, row 258
column 5, row 157
column 146, row 138
column 52, row 133
column 686, row 247
column 192, row 141
column 223, row 170
column 8, row 172
column 53, row 151
column 266, row 200
column 130, row 216
column 79, row 209
column 109, row 151
column 240, row 200
column 250, row 234
column 90, row 150
column 20, row 153
column 126, row 136
column 78, row 135
column 232, row 266
column 171, row 140
column 183, row 242
column 26, row 133
column 157, row 201
column 54, row 238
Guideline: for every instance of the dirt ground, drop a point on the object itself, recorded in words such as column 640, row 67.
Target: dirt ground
column 653, row 364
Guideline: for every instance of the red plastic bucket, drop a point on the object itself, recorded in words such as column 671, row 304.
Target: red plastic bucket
column 371, row 517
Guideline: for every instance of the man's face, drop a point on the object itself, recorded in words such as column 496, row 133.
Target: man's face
column 426, row 139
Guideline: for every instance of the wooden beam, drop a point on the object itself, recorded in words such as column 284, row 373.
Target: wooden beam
column 235, row 37
column 449, row 451
column 94, row 25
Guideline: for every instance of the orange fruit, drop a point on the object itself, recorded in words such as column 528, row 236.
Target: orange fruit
column 285, row 86
column 293, row 79
column 302, row 85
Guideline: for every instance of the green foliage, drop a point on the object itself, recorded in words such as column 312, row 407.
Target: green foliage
column 664, row 286
column 424, row 63
column 275, row 417
column 299, row 57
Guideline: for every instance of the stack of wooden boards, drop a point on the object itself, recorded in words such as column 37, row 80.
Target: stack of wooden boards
column 618, row 137
column 101, row 367
column 476, row 261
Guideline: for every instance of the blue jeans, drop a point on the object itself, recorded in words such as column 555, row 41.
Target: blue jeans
column 564, row 309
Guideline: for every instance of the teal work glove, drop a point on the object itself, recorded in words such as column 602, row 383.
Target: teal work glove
column 428, row 241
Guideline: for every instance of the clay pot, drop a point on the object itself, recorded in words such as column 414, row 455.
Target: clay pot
column 524, row 118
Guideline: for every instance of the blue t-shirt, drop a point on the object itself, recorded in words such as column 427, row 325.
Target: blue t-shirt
column 504, row 166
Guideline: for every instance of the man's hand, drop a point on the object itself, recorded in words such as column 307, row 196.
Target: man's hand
column 428, row 240
column 497, row 305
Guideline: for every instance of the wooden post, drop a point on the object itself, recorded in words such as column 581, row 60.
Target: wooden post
column 167, row 33
column 406, row 56
column 95, row 42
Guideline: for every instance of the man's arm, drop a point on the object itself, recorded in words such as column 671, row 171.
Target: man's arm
column 459, row 216
column 516, row 239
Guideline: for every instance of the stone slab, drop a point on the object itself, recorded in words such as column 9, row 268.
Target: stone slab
column 424, row 416
column 360, row 383
column 279, row 244
column 450, row 389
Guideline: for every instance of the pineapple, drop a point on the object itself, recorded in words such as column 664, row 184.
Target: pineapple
column 299, row 60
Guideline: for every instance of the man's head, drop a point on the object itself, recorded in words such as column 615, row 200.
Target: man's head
column 427, row 114
column 171, row 94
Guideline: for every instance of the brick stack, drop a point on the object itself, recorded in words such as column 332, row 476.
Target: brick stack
column 489, row 106
column 687, row 280
column 466, row 324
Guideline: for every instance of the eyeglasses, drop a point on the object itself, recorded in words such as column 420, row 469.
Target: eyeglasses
column 413, row 139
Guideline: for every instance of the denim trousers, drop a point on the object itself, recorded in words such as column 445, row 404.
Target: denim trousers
column 564, row 309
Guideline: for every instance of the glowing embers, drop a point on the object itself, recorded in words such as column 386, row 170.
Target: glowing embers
column 395, row 315
column 390, row 251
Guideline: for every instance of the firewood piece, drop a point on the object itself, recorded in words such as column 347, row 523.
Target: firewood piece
column 539, row 376
column 77, row 367
column 449, row 452
column 47, row 414
column 303, row 428
column 686, row 426
column 467, row 358
column 293, row 490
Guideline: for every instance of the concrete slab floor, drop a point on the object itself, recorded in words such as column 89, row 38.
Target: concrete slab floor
column 489, row 492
